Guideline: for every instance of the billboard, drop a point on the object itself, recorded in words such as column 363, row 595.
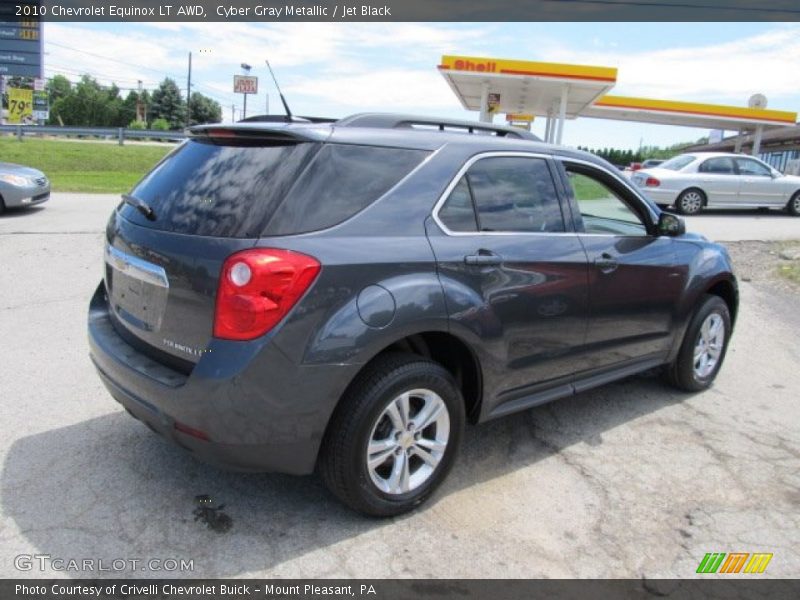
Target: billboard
column 245, row 84
column 20, row 44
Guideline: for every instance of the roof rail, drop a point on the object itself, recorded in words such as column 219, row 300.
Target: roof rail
column 396, row 121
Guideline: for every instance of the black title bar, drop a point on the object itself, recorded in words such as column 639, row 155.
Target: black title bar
column 397, row 589
column 400, row 10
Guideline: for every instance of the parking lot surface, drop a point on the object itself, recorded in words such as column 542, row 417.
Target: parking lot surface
column 629, row 480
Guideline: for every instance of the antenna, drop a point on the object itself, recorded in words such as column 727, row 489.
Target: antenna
column 285, row 105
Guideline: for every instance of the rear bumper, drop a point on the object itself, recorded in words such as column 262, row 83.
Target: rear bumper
column 256, row 410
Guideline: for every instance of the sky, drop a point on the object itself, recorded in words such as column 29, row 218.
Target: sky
column 336, row 69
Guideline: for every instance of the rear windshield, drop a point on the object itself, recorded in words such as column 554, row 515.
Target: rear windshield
column 677, row 163
column 224, row 190
column 219, row 190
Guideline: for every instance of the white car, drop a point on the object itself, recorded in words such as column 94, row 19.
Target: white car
column 692, row 182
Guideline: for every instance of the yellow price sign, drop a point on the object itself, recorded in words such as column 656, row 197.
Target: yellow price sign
column 20, row 106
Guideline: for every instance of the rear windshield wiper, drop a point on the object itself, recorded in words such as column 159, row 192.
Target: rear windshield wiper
column 140, row 205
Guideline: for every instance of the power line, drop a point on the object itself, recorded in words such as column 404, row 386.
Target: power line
column 229, row 95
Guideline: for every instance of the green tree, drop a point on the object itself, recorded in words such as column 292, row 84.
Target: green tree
column 58, row 87
column 203, row 109
column 89, row 105
column 127, row 112
column 168, row 104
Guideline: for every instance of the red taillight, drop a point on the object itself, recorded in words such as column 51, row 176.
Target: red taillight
column 652, row 182
column 257, row 288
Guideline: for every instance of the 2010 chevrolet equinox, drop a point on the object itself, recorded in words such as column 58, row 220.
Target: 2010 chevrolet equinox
column 346, row 295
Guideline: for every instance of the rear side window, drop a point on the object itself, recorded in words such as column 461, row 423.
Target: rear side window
column 341, row 181
column 203, row 188
column 458, row 213
column 510, row 194
column 722, row 165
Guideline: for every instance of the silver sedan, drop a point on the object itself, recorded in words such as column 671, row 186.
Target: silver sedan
column 22, row 186
column 692, row 182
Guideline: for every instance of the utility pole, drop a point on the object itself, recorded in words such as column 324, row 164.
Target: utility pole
column 140, row 116
column 233, row 113
column 246, row 68
column 189, row 91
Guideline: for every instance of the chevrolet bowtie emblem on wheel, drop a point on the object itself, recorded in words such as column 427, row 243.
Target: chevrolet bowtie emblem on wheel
column 736, row 562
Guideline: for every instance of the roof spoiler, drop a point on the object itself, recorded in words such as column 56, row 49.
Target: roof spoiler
column 394, row 121
column 241, row 132
column 285, row 119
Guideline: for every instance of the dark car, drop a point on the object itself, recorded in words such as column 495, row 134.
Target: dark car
column 346, row 296
column 651, row 162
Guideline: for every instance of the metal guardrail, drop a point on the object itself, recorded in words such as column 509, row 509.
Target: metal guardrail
column 119, row 133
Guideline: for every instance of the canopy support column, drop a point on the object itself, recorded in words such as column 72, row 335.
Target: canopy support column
column 547, row 126
column 562, row 114
column 737, row 146
column 486, row 116
column 757, row 140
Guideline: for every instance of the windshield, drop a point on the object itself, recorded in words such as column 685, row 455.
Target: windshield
column 678, row 162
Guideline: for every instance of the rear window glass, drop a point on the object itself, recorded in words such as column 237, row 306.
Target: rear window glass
column 248, row 190
column 677, row 163
column 341, row 181
column 220, row 190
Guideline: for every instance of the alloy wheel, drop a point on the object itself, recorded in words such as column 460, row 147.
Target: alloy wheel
column 691, row 202
column 408, row 441
column 709, row 345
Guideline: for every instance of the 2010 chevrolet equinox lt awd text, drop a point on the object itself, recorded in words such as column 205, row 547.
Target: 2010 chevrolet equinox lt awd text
column 345, row 296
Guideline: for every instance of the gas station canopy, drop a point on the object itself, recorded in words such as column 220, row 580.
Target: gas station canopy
column 691, row 114
column 563, row 91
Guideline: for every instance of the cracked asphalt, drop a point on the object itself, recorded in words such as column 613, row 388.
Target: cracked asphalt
column 629, row 480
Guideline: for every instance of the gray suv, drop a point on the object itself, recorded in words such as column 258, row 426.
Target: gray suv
column 345, row 296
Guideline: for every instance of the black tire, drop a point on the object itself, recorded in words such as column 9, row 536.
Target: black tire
column 681, row 373
column 793, row 206
column 2, row 206
column 690, row 202
column 344, row 452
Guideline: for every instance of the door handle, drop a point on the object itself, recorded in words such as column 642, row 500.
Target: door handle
column 606, row 263
column 483, row 259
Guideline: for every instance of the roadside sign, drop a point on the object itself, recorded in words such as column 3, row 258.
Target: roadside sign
column 38, row 85
column 245, row 84
column 20, row 49
column 20, row 106
column 519, row 118
column 41, row 108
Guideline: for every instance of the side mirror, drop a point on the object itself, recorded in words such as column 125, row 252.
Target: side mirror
column 671, row 225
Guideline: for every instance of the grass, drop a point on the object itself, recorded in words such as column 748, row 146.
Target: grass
column 789, row 269
column 790, row 272
column 89, row 167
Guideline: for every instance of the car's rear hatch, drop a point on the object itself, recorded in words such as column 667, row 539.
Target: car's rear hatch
column 223, row 191
column 209, row 198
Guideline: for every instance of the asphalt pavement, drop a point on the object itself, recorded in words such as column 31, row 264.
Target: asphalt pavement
column 629, row 480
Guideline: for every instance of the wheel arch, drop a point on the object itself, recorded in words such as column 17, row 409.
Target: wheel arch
column 726, row 289
column 448, row 350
